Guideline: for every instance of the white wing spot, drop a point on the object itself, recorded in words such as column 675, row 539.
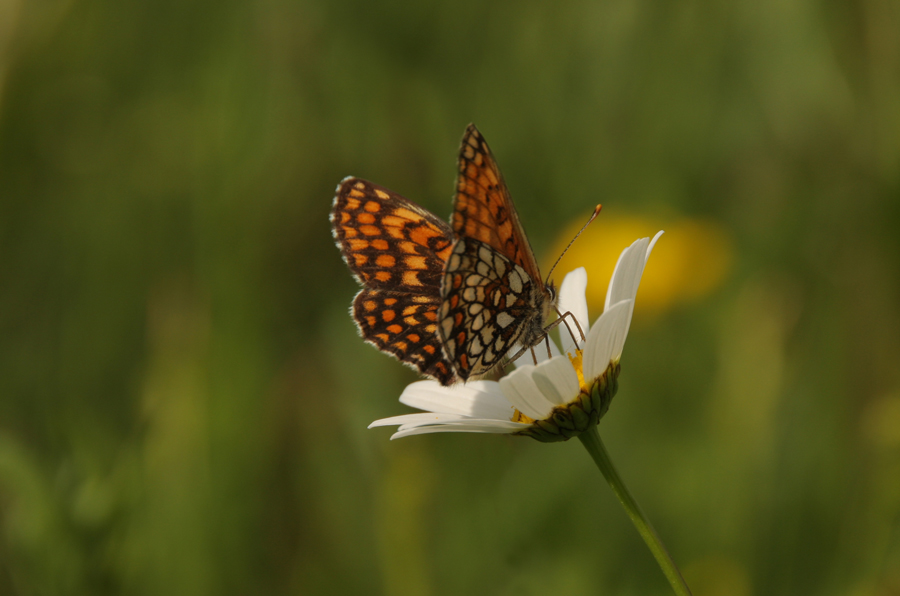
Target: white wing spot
column 499, row 265
column 447, row 327
column 504, row 320
column 485, row 254
column 515, row 281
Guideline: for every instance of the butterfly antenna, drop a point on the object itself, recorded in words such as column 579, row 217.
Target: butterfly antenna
column 583, row 228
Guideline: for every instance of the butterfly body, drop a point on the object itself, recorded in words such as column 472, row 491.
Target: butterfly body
column 448, row 300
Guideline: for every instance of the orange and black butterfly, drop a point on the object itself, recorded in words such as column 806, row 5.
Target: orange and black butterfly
column 448, row 301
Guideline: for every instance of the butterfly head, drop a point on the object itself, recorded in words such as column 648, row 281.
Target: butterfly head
column 551, row 297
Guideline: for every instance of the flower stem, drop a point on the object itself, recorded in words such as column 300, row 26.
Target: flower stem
column 592, row 442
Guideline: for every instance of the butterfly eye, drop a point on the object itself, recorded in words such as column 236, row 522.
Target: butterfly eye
column 551, row 291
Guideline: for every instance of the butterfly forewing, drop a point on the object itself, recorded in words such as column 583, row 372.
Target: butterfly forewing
column 492, row 267
column 483, row 208
column 397, row 251
column 388, row 241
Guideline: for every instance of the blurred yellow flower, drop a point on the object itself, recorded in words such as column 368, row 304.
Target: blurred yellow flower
column 693, row 259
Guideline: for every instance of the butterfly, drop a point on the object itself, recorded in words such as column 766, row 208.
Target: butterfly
column 449, row 300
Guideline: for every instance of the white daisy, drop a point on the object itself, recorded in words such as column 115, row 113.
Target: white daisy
column 559, row 397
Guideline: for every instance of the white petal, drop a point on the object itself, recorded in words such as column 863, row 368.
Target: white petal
column 627, row 275
column 557, row 380
column 607, row 338
column 652, row 244
column 520, row 389
column 475, row 399
column 472, row 423
column 637, row 281
column 473, row 426
column 572, row 299
column 417, row 419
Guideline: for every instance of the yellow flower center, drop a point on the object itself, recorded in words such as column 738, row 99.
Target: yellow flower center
column 520, row 417
column 576, row 361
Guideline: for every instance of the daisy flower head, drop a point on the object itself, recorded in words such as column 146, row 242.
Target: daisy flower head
column 557, row 396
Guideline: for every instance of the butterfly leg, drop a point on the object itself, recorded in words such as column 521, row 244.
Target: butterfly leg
column 562, row 319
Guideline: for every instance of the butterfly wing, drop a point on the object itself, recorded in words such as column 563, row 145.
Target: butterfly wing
column 486, row 307
column 483, row 208
column 404, row 325
column 493, row 295
column 397, row 251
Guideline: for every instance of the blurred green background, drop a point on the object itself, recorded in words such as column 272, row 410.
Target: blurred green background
column 184, row 400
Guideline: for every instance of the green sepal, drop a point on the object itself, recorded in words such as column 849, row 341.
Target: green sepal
column 582, row 413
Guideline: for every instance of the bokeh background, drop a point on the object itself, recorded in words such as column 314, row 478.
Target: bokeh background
column 184, row 400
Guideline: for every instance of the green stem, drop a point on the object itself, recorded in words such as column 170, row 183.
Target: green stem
column 592, row 442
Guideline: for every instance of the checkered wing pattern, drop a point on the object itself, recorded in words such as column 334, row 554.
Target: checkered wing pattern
column 397, row 251
column 492, row 293
column 487, row 300
column 483, row 208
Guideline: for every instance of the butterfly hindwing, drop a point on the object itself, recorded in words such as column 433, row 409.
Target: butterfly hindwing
column 487, row 298
column 404, row 325
column 397, row 251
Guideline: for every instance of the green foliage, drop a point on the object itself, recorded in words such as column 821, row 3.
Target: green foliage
column 184, row 400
